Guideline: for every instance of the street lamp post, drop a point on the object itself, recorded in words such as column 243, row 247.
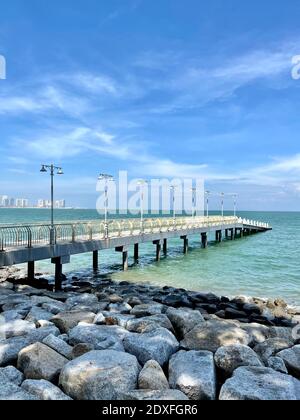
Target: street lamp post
column 141, row 184
column 173, row 189
column 194, row 191
column 222, row 203
column 106, row 178
column 234, row 203
column 207, row 193
column 52, row 168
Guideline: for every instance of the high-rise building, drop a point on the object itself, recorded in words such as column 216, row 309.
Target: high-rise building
column 22, row 202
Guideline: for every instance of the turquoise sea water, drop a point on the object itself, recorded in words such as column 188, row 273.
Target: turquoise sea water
column 265, row 265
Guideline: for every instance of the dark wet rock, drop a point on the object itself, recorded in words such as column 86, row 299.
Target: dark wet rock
column 235, row 314
column 134, row 301
column 209, row 308
column 44, row 390
column 229, row 358
column 158, row 345
column 193, row 373
column 251, row 308
column 205, row 298
column 152, row 377
column 39, row 361
column 100, row 375
column 254, row 383
column 211, row 335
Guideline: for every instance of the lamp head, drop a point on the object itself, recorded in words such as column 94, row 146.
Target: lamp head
column 60, row 171
column 43, row 169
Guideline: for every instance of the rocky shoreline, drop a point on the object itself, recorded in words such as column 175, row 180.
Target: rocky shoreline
column 122, row 341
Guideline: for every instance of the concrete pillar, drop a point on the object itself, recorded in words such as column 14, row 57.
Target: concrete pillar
column 204, row 240
column 30, row 270
column 165, row 246
column 231, row 234
column 95, row 260
column 218, row 236
column 124, row 251
column 59, row 261
column 158, row 249
column 185, row 244
column 226, row 233
column 136, row 252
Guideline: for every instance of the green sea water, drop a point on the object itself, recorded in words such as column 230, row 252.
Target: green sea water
column 264, row 265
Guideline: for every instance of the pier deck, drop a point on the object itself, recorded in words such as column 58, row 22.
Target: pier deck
column 31, row 243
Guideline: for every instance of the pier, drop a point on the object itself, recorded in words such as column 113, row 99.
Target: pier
column 58, row 242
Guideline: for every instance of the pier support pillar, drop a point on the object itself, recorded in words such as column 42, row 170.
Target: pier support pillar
column 204, row 240
column 59, row 261
column 30, row 270
column 185, row 244
column 165, row 247
column 158, row 249
column 124, row 251
column 218, row 236
column 231, row 234
column 136, row 252
column 95, row 260
column 226, row 234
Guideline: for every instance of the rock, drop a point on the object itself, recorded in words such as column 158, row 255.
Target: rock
column 149, row 323
column 99, row 319
column 39, row 361
column 165, row 395
column 9, row 349
column 277, row 364
column 64, row 337
column 10, row 391
column 35, row 314
column 254, row 383
column 152, row 377
column 13, row 315
column 16, row 328
column 42, row 323
column 11, row 374
column 158, row 345
column 100, row 375
column 281, row 332
column 40, row 333
column 65, row 321
column 229, row 358
column 119, row 308
column 211, row 335
column 270, row 347
column 80, row 349
column 291, row 358
column 184, row 320
column 44, row 390
column 234, row 314
column 117, row 319
column 250, row 308
column 134, row 301
column 177, row 300
column 54, row 307
column 40, row 300
column 258, row 333
column 209, row 298
column 13, row 299
column 58, row 345
column 147, row 309
column 102, row 337
column 115, row 298
column 85, row 299
column 193, row 373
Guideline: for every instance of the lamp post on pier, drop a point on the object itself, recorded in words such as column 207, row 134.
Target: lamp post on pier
column 106, row 178
column 141, row 183
column 194, row 192
column 59, row 171
column 234, row 196
column 207, row 193
column 222, row 203
column 173, row 190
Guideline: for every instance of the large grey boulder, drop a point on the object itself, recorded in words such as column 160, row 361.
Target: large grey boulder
column 16, row 328
column 11, row 392
column 211, row 335
column 13, row 315
column 152, row 377
column 229, row 358
column 164, row 395
column 149, row 323
column 11, row 374
column 100, row 375
column 35, row 314
column 158, row 345
column 58, row 345
column 39, row 361
column 277, row 364
column 85, row 299
column 54, row 307
column 282, row 332
column 257, row 332
column 102, row 337
column 254, row 383
column 193, row 373
column 291, row 358
column 40, row 333
column 44, row 390
column 147, row 309
column 184, row 320
column 270, row 347
column 65, row 321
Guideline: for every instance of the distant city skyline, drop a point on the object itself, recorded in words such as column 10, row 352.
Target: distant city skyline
column 10, row 202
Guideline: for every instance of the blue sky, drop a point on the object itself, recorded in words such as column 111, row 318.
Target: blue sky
column 158, row 88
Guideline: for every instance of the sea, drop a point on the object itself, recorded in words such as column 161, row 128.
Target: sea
column 263, row 265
